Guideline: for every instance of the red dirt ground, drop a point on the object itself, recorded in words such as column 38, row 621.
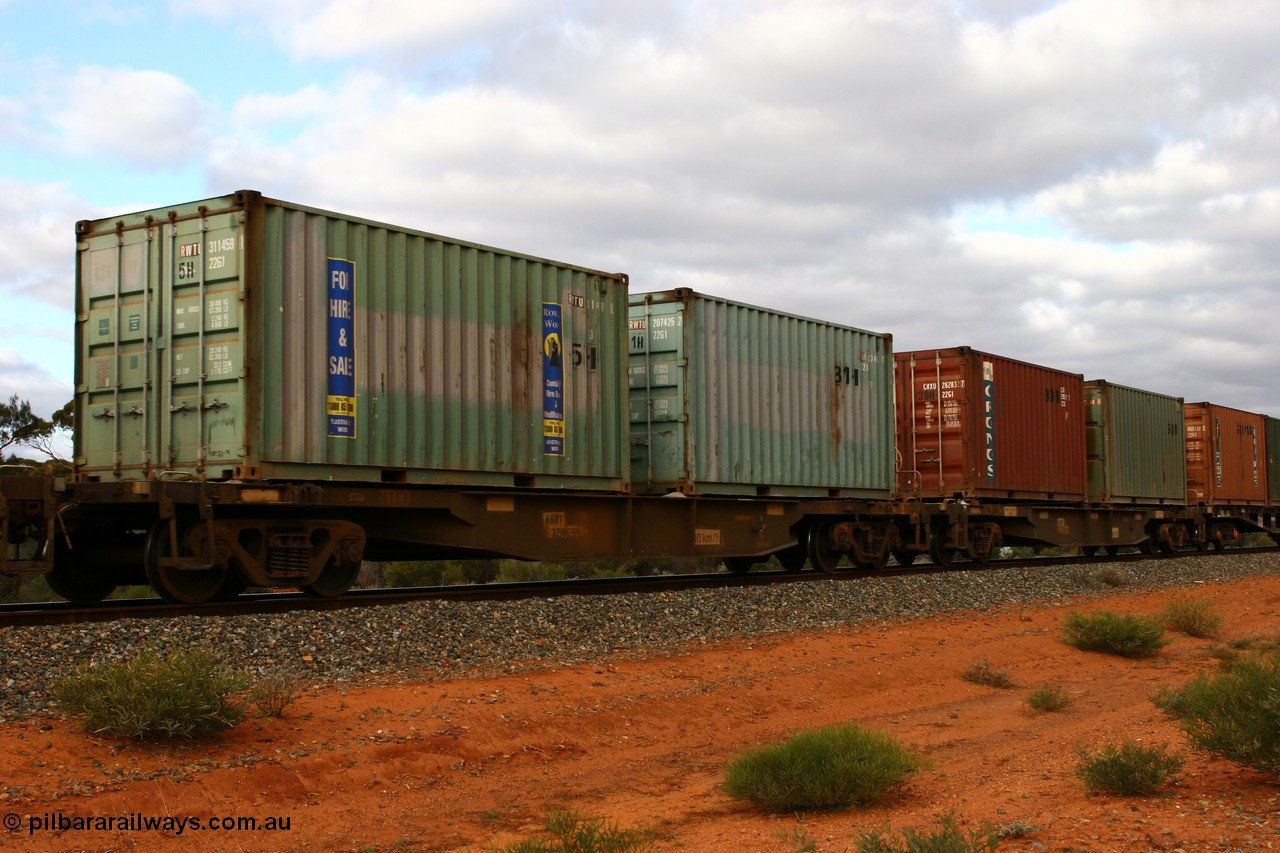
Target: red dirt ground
column 472, row 763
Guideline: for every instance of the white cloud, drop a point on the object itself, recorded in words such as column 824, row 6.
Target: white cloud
column 14, row 117
column 37, row 240
column 1118, row 157
column 32, row 382
column 343, row 29
column 145, row 118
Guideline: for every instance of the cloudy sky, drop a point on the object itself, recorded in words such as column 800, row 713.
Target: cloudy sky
column 1088, row 184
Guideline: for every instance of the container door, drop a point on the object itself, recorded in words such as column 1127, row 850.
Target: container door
column 659, row 406
column 933, row 410
column 1097, row 423
column 161, row 349
column 1273, row 459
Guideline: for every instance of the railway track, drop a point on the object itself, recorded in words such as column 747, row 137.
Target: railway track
column 65, row 613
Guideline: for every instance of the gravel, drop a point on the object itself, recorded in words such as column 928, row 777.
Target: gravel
column 432, row 638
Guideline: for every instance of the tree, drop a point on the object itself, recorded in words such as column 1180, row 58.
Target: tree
column 20, row 425
column 63, row 420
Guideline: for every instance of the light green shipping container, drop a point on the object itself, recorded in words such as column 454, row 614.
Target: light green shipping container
column 244, row 338
column 1134, row 444
column 732, row 399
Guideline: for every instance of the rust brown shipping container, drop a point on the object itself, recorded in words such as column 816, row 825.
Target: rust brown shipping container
column 972, row 424
column 1226, row 456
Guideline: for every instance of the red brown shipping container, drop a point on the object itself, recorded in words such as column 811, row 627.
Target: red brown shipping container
column 971, row 424
column 1226, row 456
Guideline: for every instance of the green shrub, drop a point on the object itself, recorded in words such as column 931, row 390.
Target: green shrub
column 272, row 693
column 26, row 588
column 134, row 591
column 1126, row 635
column 1098, row 577
column 1130, row 769
column 573, row 834
column 1228, row 656
column 1050, row 697
column 828, row 768
column 188, row 694
column 797, row 839
column 1194, row 617
column 947, row 838
column 982, row 672
column 422, row 573
column 1234, row 714
column 1112, row 577
column 480, row 571
column 521, row 571
column 603, row 569
column 1017, row 829
column 596, row 569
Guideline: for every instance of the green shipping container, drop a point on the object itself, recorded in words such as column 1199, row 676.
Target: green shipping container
column 1134, row 446
column 1273, row 457
column 732, row 399
column 247, row 338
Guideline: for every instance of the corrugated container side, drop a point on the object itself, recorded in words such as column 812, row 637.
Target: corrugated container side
column 1135, row 445
column 1226, row 456
column 728, row 398
column 972, row 424
column 338, row 348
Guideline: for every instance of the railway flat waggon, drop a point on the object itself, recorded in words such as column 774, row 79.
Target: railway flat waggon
column 268, row 394
column 729, row 399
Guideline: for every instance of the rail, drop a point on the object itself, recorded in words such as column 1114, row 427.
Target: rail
column 66, row 613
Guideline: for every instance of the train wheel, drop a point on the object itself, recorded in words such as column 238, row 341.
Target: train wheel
column 334, row 580
column 904, row 558
column 231, row 587
column 77, row 576
column 793, row 559
column 1089, row 550
column 738, row 565
column 878, row 563
column 821, row 554
column 1112, row 550
column 176, row 585
column 940, row 553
